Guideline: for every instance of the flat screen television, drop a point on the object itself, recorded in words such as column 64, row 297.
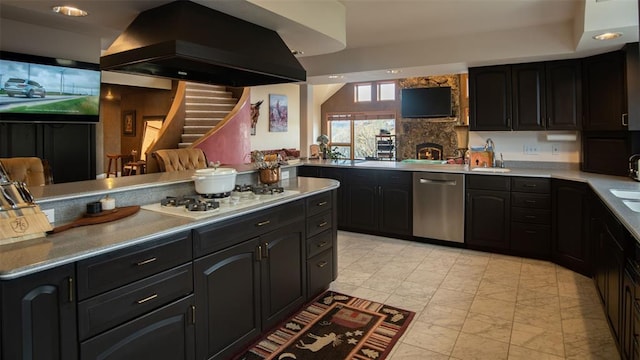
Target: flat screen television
column 428, row 102
column 42, row 89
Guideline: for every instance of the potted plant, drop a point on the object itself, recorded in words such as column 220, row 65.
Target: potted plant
column 268, row 167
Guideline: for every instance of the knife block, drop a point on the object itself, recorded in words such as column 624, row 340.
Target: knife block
column 480, row 158
column 27, row 221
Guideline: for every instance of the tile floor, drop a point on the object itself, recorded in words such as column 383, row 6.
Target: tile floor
column 476, row 305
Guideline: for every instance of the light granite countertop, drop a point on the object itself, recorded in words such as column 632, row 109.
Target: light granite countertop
column 601, row 184
column 30, row 256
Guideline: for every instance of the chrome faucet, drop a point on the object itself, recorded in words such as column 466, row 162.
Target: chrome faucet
column 490, row 146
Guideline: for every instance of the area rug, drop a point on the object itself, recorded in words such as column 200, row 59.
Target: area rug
column 334, row 327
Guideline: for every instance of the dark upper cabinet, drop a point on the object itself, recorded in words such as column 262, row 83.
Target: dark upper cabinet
column 603, row 78
column 490, row 98
column 39, row 316
column 570, row 217
column 563, row 95
column 632, row 54
column 539, row 96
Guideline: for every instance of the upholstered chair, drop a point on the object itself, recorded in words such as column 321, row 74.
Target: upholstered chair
column 30, row 170
column 180, row 159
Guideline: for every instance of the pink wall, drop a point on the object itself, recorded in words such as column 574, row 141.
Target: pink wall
column 231, row 144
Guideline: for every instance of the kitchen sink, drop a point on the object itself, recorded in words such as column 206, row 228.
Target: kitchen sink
column 491, row 169
column 633, row 205
column 626, row 194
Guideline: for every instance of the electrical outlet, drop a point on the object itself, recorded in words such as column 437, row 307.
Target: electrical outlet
column 50, row 214
column 555, row 149
column 530, row 149
column 284, row 174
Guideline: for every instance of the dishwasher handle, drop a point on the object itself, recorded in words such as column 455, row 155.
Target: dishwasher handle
column 438, row 182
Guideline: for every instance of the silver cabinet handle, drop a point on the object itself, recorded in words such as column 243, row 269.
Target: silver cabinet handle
column 148, row 261
column 440, row 182
column 322, row 203
column 263, row 223
column 322, row 264
column 625, row 119
column 324, row 243
column 322, row 224
column 148, row 298
column 70, row 283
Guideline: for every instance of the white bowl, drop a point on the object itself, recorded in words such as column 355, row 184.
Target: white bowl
column 214, row 180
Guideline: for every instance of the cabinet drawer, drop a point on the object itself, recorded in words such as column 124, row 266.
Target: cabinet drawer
column 215, row 237
column 112, row 270
column 118, row 306
column 319, row 203
column 166, row 333
column 531, row 239
column 531, row 216
column 319, row 223
column 532, row 201
column 488, row 182
column 319, row 243
column 320, row 273
column 530, row 185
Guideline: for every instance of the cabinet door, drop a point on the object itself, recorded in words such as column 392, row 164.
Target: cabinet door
column 396, row 205
column 563, row 95
column 490, row 98
column 39, row 316
column 604, row 95
column 283, row 273
column 363, row 213
column 166, row 333
column 628, row 300
column 227, row 289
column 487, row 217
column 341, row 205
column 71, row 151
column 570, row 243
column 615, row 269
column 529, row 109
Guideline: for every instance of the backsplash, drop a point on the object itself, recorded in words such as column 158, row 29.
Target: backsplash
column 411, row 132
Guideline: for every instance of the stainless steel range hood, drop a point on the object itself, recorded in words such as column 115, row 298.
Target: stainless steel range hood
column 187, row 41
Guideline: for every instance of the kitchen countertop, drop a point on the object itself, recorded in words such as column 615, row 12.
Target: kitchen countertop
column 30, row 256
column 601, row 184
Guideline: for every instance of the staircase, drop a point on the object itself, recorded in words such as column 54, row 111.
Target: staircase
column 205, row 106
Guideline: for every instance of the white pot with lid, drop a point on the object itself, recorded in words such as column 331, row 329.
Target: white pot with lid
column 215, row 180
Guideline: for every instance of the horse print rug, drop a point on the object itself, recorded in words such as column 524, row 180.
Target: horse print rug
column 334, row 327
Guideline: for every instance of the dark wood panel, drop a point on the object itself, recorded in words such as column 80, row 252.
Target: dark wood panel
column 564, row 95
column 529, row 94
column 604, row 91
column 487, row 218
column 490, row 98
column 319, row 272
column 488, row 182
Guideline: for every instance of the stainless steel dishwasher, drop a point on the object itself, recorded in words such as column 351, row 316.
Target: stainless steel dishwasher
column 438, row 206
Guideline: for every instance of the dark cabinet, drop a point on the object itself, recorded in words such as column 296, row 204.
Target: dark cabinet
column 322, row 236
column 490, row 98
column 335, row 174
column 530, row 216
column 529, row 96
column 380, row 202
column 250, row 285
column 629, row 309
column 604, row 92
column 166, row 333
column 39, row 316
column 487, row 212
column 69, row 148
column 563, row 95
column 570, row 241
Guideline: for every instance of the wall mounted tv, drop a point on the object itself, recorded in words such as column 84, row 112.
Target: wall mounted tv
column 428, row 102
column 42, row 89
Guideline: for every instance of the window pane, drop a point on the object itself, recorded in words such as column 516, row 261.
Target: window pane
column 345, row 151
column 340, row 131
column 364, row 135
column 363, row 92
column 387, row 91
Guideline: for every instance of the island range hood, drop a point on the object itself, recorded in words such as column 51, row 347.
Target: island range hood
column 187, row 41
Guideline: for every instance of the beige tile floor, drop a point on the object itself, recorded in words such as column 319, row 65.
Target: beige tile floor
column 476, row 305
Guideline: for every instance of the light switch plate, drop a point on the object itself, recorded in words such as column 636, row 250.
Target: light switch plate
column 284, row 174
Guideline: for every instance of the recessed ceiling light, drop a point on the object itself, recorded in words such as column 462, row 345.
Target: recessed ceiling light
column 69, row 10
column 297, row 52
column 393, row 71
column 608, row 36
column 336, row 76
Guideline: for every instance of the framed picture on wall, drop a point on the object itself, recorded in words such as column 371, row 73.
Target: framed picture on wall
column 129, row 123
column 278, row 113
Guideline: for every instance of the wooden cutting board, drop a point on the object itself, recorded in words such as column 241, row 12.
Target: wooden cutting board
column 92, row 219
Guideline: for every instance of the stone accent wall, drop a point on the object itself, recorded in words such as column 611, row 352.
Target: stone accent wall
column 411, row 132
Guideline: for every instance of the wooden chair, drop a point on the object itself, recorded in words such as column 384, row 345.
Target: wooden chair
column 31, row 170
column 180, row 159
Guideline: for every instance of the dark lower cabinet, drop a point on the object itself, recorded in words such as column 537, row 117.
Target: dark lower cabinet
column 247, row 288
column 628, row 311
column 166, row 333
column 338, row 174
column 570, row 241
column 487, row 218
column 38, row 317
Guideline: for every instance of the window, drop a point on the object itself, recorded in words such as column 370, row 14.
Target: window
column 362, row 92
column 353, row 135
column 386, row 91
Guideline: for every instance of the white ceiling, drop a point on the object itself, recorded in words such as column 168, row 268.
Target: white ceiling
column 360, row 40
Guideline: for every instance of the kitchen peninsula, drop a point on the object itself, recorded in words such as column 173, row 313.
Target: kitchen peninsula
column 160, row 286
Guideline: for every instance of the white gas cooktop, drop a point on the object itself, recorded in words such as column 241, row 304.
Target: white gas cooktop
column 236, row 201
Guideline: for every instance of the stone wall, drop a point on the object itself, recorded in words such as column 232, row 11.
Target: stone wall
column 411, row 132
